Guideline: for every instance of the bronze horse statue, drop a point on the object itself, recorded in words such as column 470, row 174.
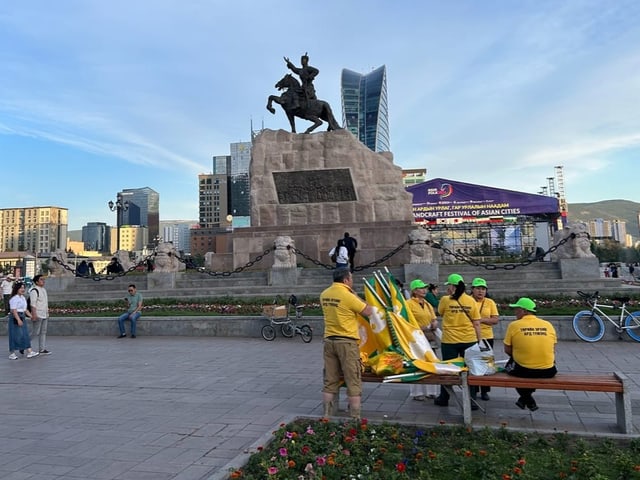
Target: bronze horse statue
column 295, row 104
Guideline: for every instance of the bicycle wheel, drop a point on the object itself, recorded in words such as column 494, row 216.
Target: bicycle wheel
column 268, row 332
column 588, row 326
column 306, row 333
column 632, row 322
column 287, row 330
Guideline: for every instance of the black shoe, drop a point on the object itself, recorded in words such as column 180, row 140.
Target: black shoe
column 21, row 352
column 441, row 402
column 133, row 336
column 485, row 397
column 474, row 406
column 532, row 405
column 122, row 335
column 520, row 404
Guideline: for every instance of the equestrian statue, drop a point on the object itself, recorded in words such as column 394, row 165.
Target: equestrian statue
column 299, row 100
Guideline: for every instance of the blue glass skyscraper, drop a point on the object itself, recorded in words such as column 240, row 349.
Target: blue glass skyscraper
column 364, row 107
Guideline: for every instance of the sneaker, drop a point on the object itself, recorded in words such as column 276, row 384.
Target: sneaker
column 13, row 356
column 419, row 398
column 45, row 352
column 122, row 335
column 32, row 354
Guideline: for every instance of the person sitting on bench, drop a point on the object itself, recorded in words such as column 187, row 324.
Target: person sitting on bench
column 530, row 343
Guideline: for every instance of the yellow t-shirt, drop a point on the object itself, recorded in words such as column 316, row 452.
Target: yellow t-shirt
column 339, row 308
column 423, row 313
column 456, row 324
column 487, row 308
column 532, row 342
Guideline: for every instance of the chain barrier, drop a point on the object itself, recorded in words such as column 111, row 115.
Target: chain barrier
column 505, row 266
column 236, row 270
column 457, row 255
column 359, row 268
column 99, row 277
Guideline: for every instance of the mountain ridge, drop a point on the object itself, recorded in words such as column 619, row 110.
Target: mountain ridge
column 624, row 210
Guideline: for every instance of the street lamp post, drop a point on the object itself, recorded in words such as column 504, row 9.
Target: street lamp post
column 119, row 206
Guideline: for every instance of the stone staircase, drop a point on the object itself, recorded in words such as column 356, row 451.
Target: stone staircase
column 540, row 278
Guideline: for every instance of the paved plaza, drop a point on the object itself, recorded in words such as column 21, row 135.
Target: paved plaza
column 185, row 407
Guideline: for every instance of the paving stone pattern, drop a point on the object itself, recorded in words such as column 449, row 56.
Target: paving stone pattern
column 185, row 407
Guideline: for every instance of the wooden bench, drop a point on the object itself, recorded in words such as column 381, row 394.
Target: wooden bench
column 584, row 382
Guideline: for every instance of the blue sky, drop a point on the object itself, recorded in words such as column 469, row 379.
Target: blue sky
column 99, row 96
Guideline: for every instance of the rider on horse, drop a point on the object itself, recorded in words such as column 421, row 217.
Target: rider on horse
column 306, row 73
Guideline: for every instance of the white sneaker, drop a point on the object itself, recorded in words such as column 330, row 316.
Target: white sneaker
column 32, row 354
column 13, row 356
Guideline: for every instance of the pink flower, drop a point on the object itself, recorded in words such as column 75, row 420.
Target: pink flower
column 283, row 452
column 272, row 470
column 321, row 461
column 310, row 430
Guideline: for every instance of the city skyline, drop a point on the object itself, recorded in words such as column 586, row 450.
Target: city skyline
column 97, row 98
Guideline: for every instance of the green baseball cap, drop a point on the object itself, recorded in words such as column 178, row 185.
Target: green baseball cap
column 479, row 282
column 454, row 279
column 525, row 304
column 417, row 284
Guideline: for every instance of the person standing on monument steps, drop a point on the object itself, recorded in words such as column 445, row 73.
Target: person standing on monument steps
column 352, row 245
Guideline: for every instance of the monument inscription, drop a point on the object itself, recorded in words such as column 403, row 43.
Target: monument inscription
column 314, row 186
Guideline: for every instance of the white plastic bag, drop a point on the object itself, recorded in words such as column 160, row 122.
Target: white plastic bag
column 479, row 359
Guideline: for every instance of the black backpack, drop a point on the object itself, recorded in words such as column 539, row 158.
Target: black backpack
column 29, row 297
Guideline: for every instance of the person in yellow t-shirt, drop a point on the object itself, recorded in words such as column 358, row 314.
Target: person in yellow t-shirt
column 488, row 318
column 340, row 307
column 460, row 326
column 530, row 343
column 426, row 317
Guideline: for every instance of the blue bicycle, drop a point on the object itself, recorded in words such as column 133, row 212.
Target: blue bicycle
column 589, row 324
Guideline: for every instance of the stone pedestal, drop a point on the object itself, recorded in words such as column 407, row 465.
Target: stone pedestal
column 426, row 272
column 576, row 268
column 283, row 276
column 161, row 280
column 314, row 188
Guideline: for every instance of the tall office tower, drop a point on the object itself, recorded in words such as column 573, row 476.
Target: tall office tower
column 239, row 186
column 33, row 229
column 213, row 196
column 144, row 210
column 364, row 107
column 95, row 236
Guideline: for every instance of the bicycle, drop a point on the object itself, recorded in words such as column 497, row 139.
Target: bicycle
column 589, row 324
column 282, row 315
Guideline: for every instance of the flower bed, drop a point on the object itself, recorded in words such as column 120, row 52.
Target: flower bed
column 319, row 449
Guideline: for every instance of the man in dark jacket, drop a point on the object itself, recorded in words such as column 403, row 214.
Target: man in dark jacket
column 352, row 245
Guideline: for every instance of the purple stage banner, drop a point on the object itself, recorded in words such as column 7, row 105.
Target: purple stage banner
column 440, row 199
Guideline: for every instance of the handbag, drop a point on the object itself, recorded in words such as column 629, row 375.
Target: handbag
column 479, row 359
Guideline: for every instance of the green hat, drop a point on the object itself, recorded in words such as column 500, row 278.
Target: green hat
column 417, row 284
column 479, row 282
column 454, row 279
column 525, row 304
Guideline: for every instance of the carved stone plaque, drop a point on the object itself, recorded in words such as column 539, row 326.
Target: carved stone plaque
column 314, row 186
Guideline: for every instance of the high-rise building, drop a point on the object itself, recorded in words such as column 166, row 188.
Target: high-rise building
column 213, row 199
column 96, row 236
column 144, row 210
column 33, row 229
column 178, row 233
column 365, row 111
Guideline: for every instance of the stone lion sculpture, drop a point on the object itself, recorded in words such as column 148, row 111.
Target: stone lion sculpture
column 55, row 264
column 578, row 247
column 284, row 255
column 420, row 251
column 123, row 258
column 167, row 258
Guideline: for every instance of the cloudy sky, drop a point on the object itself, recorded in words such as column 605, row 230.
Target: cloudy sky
column 99, row 96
